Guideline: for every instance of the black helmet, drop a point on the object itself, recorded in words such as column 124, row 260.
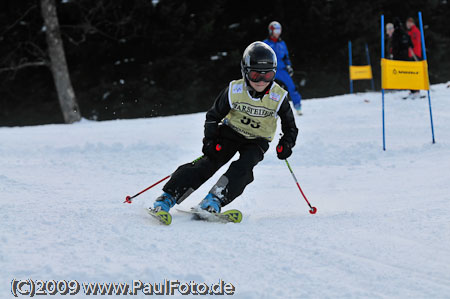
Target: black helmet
column 259, row 57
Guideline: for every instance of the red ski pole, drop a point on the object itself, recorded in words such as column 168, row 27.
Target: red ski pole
column 312, row 210
column 128, row 199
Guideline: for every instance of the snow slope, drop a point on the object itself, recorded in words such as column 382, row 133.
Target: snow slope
column 382, row 229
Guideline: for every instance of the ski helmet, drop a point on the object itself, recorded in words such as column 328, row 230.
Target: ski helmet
column 274, row 27
column 259, row 62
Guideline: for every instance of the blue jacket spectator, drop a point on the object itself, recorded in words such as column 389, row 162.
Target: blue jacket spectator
column 284, row 69
column 280, row 48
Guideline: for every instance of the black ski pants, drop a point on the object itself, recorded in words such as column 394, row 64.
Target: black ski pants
column 189, row 177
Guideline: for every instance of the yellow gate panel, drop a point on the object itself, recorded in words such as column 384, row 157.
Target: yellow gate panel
column 396, row 74
column 360, row 72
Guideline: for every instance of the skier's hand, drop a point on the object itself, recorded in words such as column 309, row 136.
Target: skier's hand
column 290, row 70
column 211, row 148
column 284, row 150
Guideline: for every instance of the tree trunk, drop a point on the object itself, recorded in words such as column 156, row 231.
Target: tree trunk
column 58, row 64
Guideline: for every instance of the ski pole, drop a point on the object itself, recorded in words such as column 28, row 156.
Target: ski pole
column 128, row 199
column 312, row 210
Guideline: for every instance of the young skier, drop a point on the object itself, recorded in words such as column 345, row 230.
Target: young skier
column 242, row 119
column 285, row 70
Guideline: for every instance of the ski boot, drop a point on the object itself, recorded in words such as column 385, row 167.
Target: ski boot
column 298, row 109
column 161, row 208
column 209, row 209
column 412, row 96
column 210, row 204
column 164, row 202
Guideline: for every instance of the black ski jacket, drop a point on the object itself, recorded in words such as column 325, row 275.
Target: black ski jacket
column 221, row 107
column 401, row 42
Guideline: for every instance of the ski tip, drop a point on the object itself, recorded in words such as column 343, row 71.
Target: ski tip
column 234, row 216
column 163, row 216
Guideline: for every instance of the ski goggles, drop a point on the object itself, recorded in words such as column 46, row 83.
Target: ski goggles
column 255, row 76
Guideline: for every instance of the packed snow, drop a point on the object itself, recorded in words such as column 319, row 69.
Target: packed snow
column 382, row 229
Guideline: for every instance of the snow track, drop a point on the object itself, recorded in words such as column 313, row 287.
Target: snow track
column 382, row 229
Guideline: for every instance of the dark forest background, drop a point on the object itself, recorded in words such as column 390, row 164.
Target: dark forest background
column 142, row 58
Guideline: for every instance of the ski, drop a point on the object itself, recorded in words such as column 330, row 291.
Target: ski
column 162, row 216
column 408, row 97
column 234, row 216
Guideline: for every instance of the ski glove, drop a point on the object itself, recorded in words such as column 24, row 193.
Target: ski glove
column 284, row 150
column 290, row 70
column 211, row 148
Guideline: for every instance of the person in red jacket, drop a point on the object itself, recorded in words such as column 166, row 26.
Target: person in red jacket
column 414, row 33
column 414, row 53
